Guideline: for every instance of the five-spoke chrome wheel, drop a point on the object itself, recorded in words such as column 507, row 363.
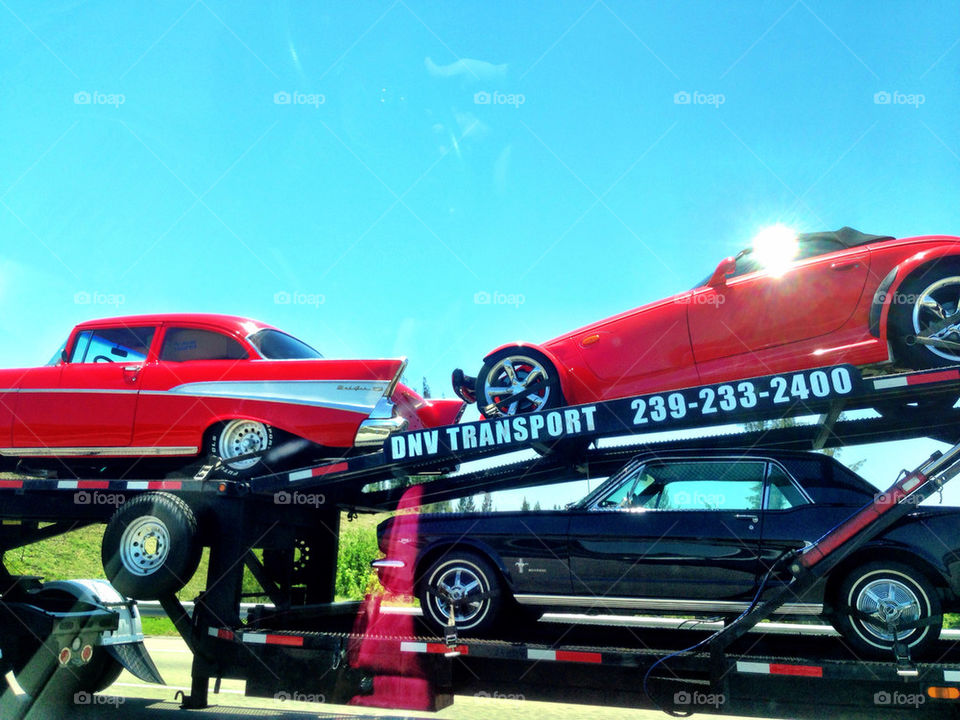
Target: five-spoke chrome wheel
column 936, row 316
column 515, row 382
column 466, row 585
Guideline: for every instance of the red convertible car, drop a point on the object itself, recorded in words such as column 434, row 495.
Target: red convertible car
column 788, row 303
column 182, row 387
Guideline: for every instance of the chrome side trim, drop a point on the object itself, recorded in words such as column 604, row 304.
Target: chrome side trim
column 78, row 391
column 99, row 451
column 691, row 606
column 359, row 396
column 387, row 563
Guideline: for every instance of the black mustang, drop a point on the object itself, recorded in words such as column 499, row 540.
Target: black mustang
column 691, row 533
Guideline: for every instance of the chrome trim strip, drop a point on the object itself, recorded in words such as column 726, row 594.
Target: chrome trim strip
column 387, row 563
column 692, row 606
column 77, row 391
column 359, row 396
column 98, row 451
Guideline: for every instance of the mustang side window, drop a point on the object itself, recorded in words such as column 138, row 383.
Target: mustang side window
column 720, row 485
column 782, row 493
column 181, row 344
column 107, row 345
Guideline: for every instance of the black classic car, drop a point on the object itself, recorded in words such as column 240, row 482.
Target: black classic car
column 688, row 533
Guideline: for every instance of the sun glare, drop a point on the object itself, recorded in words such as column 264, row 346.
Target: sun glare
column 775, row 248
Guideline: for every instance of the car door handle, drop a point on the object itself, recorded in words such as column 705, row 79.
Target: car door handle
column 135, row 369
column 846, row 265
column 752, row 518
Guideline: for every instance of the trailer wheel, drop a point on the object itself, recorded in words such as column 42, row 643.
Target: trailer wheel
column 150, row 547
column 887, row 590
column 460, row 576
column 509, row 372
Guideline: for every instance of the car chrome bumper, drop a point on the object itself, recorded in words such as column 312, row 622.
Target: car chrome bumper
column 382, row 423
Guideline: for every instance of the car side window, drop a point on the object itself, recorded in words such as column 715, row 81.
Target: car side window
column 818, row 246
column 782, row 493
column 708, row 485
column 181, row 344
column 106, row 345
column 634, row 492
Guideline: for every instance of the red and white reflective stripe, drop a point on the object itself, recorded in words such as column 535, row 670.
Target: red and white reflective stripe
column 220, row 633
column 267, row 639
column 779, row 669
column 83, row 484
column 154, row 485
column 564, row 656
column 11, row 483
column 317, row 471
column 884, row 383
column 432, row 648
column 951, row 676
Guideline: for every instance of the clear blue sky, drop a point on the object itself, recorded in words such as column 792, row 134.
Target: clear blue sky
column 378, row 165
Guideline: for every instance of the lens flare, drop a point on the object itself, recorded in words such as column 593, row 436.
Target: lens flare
column 775, row 248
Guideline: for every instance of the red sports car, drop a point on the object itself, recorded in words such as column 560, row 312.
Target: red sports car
column 186, row 386
column 789, row 302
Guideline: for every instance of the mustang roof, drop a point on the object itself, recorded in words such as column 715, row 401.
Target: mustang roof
column 845, row 236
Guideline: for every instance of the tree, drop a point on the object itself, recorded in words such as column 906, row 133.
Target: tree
column 486, row 503
column 465, row 504
column 536, row 506
column 524, row 506
column 426, row 388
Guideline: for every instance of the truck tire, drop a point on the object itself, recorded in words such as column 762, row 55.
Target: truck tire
column 150, row 547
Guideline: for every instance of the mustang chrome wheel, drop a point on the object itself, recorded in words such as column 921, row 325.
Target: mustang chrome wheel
column 888, row 600
column 468, row 584
column 242, row 437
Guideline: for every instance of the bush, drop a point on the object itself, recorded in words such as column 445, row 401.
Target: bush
column 358, row 546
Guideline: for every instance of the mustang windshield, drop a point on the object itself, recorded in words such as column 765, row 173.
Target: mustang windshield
column 276, row 345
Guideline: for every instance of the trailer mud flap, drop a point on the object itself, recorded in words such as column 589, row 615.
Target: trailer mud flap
column 135, row 658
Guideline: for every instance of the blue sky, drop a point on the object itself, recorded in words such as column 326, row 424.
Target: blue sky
column 364, row 175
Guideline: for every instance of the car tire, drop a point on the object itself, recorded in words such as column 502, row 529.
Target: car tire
column 521, row 363
column 890, row 587
column 240, row 437
column 150, row 546
column 463, row 573
column 915, row 306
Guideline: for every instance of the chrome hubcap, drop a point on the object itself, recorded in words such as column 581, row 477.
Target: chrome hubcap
column 242, row 437
column 457, row 584
column 144, row 545
column 512, row 376
column 939, row 307
column 888, row 601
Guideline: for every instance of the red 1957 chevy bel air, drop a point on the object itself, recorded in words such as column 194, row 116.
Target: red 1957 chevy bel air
column 176, row 388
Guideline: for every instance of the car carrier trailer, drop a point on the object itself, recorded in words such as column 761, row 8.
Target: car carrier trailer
column 284, row 529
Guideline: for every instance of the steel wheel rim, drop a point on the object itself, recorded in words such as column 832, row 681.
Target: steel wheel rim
column 888, row 598
column 144, row 545
column 241, row 437
column 512, row 375
column 460, row 582
column 938, row 301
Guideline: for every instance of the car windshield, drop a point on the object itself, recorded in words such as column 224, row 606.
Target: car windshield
column 276, row 345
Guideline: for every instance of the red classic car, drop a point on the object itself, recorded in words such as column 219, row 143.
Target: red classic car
column 789, row 302
column 190, row 385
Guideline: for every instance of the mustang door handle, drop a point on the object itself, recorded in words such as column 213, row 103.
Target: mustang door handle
column 752, row 518
column 847, row 265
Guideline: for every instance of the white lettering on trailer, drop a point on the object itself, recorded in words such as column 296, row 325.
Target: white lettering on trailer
column 496, row 432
